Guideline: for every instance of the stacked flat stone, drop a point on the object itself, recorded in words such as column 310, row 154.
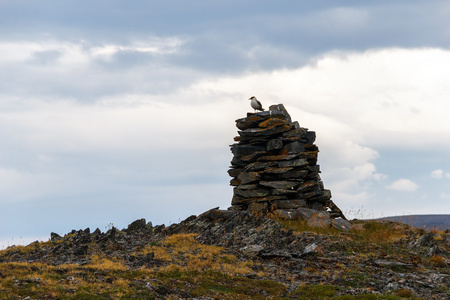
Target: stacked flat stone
column 274, row 166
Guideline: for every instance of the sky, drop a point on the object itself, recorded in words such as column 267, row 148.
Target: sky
column 112, row 111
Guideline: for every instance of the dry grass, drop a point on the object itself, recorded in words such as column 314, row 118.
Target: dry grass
column 183, row 250
column 181, row 255
column 184, row 264
column 364, row 231
column 102, row 263
column 438, row 261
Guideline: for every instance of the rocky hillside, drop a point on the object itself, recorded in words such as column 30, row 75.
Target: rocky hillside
column 232, row 255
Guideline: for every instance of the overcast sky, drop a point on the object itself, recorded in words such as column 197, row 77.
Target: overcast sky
column 112, row 111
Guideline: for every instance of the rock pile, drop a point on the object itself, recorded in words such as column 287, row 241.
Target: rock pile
column 274, row 167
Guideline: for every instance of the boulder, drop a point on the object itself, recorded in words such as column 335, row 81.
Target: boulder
column 319, row 219
column 137, row 225
column 341, row 224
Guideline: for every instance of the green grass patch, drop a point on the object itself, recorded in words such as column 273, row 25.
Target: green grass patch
column 314, row 292
column 301, row 226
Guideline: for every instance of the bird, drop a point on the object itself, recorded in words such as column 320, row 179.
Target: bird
column 256, row 105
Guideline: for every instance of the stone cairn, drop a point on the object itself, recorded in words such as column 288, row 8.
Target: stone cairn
column 274, row 166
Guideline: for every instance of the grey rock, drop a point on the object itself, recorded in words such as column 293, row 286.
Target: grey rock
column 271, row 170
column 392, row 286
column 297, row 174
column 251, row 250
column 274, row 253
column 307, row 187
column 294, row 147
column 244, row 123
column 55, row 237
column 301, row 162
column 311, row 137
column 291, row 185
column 283, row 192
column 247, row 186
column 382, row 262
column 248, row 177
column 256, row 166
column 235, row 182
column 280, row 108
column 252, row 157
column 316, row 206
column 237, row 149
column 275, row 144
column 320, row 219
column 285, row 214
column 258, row 132
column 235, row 172
column 237, row 163
column 305, row 213
column 426, row 240
column 278, row 157
column 341, row 224
column 272, row 114
column 295, row 135
column 310, row 249
column 290, row 204
column 257, row 193
column 137, row 225
column 296, row 125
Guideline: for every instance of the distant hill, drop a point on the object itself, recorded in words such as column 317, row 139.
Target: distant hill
column 441, row 222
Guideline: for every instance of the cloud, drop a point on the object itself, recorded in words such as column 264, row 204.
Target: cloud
column 350, row 122
column 86, row 71
column 403, row 185
column 437, row 174
column 406, row 98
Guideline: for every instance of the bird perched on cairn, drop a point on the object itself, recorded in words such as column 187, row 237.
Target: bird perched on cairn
column 256, row 105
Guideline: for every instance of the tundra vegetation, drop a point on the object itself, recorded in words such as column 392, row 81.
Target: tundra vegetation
column 232, row 258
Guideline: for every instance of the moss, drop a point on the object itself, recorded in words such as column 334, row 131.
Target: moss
column 314, row 292
column 238, row 286
column 404, row 293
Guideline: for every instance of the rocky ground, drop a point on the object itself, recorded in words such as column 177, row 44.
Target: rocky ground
column 232, row 255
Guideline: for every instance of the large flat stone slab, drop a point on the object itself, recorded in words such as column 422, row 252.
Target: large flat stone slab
column 290, row 185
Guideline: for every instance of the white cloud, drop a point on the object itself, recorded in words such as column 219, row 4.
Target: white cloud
column 403, row 185
column 329, row 97
column 154, row 45
column 386, row 97
column 82, row 52
column 437, row 174
column 136, row 123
